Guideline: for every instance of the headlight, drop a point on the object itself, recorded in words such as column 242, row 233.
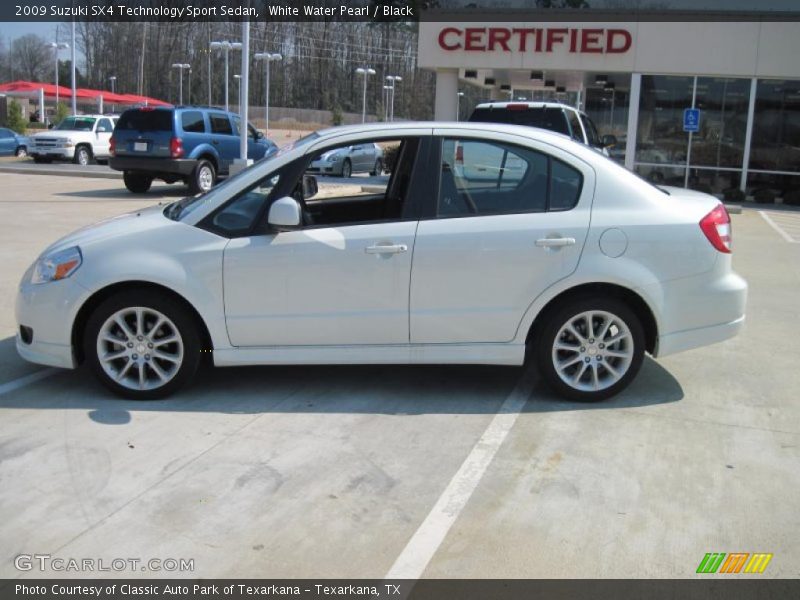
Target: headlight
column 57, row 265
column 69, row 143
column 332, row 158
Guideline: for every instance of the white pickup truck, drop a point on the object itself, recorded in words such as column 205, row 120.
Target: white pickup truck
column 81, row 139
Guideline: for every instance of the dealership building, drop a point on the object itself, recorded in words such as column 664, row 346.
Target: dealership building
column 710, row 104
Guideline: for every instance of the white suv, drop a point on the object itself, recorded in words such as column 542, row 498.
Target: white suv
column 488, row 243
column 79, row 139
column 552, row 116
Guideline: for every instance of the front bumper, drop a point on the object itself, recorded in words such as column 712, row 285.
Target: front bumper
column 325, row 168
column 49, row 310
column 55, row 153
column 153, row 166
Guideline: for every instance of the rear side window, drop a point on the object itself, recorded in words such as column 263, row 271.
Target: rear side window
column 192, row 121
column 220, row 124
column 545, row 118
column 145, row 120
column 492, row 178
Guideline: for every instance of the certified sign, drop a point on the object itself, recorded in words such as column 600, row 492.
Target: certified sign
column 691, row 119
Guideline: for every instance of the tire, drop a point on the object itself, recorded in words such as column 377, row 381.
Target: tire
column 136, row 182
column 203, row 177
column 347, row 168
column 21, row 152
column 158, row 369
column 378, row 168
column 83, row 156
column 583, row 358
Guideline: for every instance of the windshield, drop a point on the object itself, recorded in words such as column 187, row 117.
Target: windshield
column 76, row 124
column 542, row 117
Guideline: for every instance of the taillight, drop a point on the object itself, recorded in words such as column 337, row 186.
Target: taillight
column 717, row 227
column 517, row 107
column 176, row 147
column 112, row 146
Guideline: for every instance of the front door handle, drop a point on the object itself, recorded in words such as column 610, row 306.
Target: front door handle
column 386, row 249
column 555, row 242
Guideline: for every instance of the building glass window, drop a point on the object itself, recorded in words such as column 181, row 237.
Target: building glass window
column 661, row 138
column 723, row 104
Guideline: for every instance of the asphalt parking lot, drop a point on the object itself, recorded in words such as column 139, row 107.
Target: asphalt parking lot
column 405, row 471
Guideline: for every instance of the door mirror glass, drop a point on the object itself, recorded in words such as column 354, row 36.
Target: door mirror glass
column 608, row 141
column 285, row 213
column 310, row 187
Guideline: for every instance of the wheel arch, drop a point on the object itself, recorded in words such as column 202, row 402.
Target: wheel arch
column 633, row 300
column 88, row 307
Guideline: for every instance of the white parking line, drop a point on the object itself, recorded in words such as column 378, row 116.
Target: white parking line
column 16, row 384
column 790, row 220
column 420, row 549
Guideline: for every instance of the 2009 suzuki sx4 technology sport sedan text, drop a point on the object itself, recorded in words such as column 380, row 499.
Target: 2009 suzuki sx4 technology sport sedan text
column 479, row 244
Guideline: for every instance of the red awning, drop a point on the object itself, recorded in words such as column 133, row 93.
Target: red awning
column 31, row 88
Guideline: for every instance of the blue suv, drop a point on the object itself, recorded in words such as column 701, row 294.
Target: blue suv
column 190, row 144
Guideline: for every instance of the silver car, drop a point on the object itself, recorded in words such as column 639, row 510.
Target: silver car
column 344, row 161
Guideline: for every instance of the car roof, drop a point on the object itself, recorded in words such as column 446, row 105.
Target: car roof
column 396, row 129
column 529, row 104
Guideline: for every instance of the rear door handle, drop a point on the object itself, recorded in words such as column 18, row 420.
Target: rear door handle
column 555, row 242
column 386, row 249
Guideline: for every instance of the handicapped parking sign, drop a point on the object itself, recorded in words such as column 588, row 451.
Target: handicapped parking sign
column 691, row 119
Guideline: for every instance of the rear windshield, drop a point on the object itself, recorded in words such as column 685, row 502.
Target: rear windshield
column 146, row 120
column 544, row 118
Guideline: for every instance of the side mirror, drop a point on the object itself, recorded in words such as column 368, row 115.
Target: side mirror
column 608, row 141
column 259, row 135
column 310, row 187
column 284, row 214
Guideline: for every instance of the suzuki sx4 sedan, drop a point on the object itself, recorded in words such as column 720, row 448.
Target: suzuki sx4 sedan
column 479, row 244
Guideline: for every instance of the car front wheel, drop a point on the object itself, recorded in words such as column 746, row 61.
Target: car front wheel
column 21, row 152
column 590, row 349
column 142, row 345
column 347, row 168
column 83, row 156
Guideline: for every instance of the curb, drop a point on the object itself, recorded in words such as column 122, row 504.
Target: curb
column 61, row 172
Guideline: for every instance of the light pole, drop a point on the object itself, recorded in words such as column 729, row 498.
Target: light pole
column 190, row 86
column 226, row 47
column 393, row 79
column 74, row 82
column 458, row 105
column 267, row 58
column 181, row 67
column 364, row 71
column 113, row 81
column 386, row 89
column 56, row 47
column 238, row 79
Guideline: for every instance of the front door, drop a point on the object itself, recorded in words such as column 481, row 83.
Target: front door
column 103, row 130
column 224, row 140
column 511, row 221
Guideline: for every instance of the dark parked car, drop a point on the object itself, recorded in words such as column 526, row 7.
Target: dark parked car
column 190, row 144
column 12, row 143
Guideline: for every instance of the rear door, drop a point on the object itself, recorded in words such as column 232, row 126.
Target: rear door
column 223, row 138
column 8, row 142
column 510, row 222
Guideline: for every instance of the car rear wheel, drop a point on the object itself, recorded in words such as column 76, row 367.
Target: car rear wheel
column 83, row 156
column 137, row 183
column 21, row 152
column 203, row 177
column 347, row 168
column 142, row 345
column 590, row 349
column 378, row 168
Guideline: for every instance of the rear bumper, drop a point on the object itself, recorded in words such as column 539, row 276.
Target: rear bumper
column 153, row 166
column 695, row 338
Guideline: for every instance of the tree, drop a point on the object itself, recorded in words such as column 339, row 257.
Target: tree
column 29, row 56
column 62, row 112
column 15, row 119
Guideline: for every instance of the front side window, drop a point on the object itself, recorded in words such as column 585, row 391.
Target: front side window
column 104, row 125
column 575, row 126
column 238, row 216
column 591, row 131
column 220, row 123
column 492, row 178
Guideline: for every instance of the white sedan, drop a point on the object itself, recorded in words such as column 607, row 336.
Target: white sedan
column 490, row 244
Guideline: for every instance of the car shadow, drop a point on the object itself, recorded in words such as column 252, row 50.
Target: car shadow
column 369, row 389
column 165, row 191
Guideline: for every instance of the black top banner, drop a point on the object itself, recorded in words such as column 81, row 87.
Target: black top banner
column 377, row 11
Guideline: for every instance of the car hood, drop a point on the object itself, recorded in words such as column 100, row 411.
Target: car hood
column 125, row 225
column 61, row 133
